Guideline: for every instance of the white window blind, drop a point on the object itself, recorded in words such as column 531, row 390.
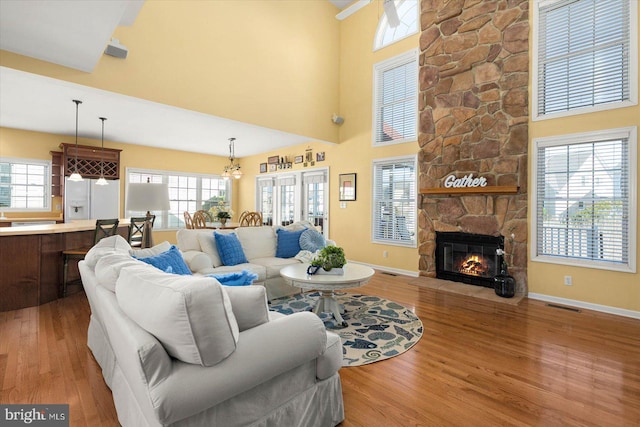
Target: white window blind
column 25, row 184
column 583, row 206
column 394, row 201
column 583, row 55
column 396, row 99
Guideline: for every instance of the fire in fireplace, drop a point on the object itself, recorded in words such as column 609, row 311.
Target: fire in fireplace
column 468, row 258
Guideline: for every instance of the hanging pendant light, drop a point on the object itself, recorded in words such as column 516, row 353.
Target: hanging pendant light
column 233, row 168
column 75, row 176
column 101, row 180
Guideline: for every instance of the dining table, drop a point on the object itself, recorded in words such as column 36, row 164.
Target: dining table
column 218, row 225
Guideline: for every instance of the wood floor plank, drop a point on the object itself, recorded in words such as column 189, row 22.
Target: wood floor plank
column 479, row 363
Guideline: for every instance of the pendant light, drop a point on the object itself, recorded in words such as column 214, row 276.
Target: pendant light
column 233, row 168
column 101, row 180
column 75, row 176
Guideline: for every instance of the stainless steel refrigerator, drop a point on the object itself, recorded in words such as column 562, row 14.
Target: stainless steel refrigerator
column 86, row 200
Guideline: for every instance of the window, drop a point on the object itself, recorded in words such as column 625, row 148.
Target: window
column 407, row 14
column 314, row 197
column 395, row 97
column 265, row 199
column 584, row 196
column 394, row 201
column 287, row 197
column 585, row 56
column 187, row 192
column 25, row 185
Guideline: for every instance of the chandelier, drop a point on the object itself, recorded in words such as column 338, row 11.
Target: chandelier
column 233, row 168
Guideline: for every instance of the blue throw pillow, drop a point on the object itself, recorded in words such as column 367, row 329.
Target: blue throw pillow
column 230, row 249
column 288, row 243
column 241, row 278
column 170, row 261
column 311, row 240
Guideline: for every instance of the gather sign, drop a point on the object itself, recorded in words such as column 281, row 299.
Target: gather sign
column 467, row 181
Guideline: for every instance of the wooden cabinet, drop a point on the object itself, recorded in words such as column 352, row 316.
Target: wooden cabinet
column 90, row 161
column 57, row 174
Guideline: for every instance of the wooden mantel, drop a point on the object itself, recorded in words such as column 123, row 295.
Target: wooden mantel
column 496, row 189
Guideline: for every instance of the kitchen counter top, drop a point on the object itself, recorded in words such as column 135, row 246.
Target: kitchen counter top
column 67, row 227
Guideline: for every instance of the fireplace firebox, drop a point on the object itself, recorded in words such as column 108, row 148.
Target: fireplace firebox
column 468, row 258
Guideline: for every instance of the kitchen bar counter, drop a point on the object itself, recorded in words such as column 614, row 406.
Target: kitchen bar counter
column 7, row 221
column 31, row 262
column 65, row 227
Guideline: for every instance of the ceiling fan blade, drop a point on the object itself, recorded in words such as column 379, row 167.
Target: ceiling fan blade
column 391, row 12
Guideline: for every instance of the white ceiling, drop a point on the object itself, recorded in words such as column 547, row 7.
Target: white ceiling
column 74, row 34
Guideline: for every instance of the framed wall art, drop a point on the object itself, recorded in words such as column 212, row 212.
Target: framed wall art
column 273, row 160
column 299, row 159
column 263, row 167
column 347, row 187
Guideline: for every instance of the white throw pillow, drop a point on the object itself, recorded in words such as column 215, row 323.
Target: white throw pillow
column 190, row 315
column 156, row 250
column 257, row 242
column 209, row 247
column 108, row 268
column 106, row 246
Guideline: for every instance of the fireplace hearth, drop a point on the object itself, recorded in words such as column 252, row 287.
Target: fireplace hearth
column 468, row 258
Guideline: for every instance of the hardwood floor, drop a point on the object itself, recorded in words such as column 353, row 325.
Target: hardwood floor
column 479, row 363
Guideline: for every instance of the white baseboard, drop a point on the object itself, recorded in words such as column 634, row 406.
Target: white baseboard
column 586, row 305
column 389, row 269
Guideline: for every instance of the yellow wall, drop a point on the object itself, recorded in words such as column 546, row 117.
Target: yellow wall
column 269, row 63
column 37, row 145
column 351, row 227
column 225, row 65
column 621, row 290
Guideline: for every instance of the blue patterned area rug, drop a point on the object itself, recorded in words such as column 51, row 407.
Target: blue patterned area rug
column 377, row 328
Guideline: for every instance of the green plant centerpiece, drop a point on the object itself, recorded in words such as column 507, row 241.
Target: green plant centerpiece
column 329, row 259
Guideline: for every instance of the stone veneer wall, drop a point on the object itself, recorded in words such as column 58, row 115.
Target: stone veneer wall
column 474, row 71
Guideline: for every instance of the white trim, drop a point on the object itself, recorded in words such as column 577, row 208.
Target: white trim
column 586, row 305
column 630, row 133
column 382, row 268
column 633, row 68
column 352, row 9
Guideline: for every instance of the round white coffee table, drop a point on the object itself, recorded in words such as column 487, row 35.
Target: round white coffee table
column 355, row 275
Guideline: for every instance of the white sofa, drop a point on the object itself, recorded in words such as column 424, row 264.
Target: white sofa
column 187, row 351
column 259, row 244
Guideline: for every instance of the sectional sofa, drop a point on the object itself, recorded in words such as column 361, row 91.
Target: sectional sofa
column 183, row 350
column 260, row 246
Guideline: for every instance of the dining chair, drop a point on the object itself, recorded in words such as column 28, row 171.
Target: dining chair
column 188, row 220
column 104, row 228
column 136, row 230
column 251, row 219
column 199, row 219
column 207, row 215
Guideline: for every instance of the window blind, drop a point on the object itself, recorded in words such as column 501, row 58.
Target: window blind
column 395, row 99
column 583, row 54
column 583, row 204
column 394, row 201
column 314, row 178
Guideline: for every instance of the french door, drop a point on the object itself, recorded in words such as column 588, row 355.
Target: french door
column 288, row 197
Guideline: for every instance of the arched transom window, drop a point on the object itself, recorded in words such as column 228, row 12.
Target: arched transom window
column 386, row 34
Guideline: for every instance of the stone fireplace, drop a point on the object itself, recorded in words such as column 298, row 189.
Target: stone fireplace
column 474, row 121
column 468, row 258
